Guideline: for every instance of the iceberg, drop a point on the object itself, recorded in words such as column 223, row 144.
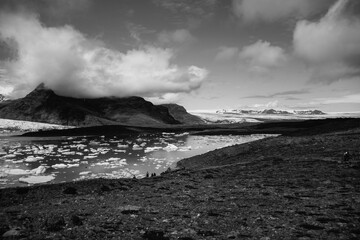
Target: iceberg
column 33, row 159
column 171, row 148
column 137, row 147
column 39, row 170
column 152, row 149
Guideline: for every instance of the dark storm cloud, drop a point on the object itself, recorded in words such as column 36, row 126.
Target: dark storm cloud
column 48, row 8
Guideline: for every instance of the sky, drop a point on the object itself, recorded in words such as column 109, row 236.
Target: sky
column 202, row 54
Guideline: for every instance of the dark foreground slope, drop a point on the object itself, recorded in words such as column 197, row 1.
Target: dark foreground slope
column 43, row 105
column 277, row 188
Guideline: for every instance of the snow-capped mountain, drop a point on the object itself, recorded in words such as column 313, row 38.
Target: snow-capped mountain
column 270, row 112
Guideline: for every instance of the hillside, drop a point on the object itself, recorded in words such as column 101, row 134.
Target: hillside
column 276, row 188
column 180, row 114
column 44, row 105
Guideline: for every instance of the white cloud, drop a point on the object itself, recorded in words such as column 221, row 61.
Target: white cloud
column 5, row 90
column 272, row 104
column 226, row 53
column 271, row 10
column 166, row 98
column 330, row 45
column 179, row 36
column 261, row 56
column 73, row 65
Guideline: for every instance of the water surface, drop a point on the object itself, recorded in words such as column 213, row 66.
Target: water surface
column 31, row 160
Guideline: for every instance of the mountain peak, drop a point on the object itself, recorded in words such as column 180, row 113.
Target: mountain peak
column 41, row 86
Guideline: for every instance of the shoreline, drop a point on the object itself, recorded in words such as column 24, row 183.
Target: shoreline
column 284, row 127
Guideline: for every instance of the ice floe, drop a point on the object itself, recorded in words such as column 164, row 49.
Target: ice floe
column 36, row 179
column 152, row 149
column 33, row 159
column 59, row 166
column 137, row 147
column 17, row 171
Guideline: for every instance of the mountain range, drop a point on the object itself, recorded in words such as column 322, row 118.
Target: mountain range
column 44, row 105
column 271, row 112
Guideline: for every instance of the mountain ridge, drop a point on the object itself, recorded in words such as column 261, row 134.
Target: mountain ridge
column 271, row 112
column 44, row 105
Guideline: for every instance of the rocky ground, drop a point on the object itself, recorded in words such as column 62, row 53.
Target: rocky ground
column 278, row 188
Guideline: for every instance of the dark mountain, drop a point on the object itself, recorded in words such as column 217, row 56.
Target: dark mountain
column 180, row 114
column 310, row 112
column 43, row 105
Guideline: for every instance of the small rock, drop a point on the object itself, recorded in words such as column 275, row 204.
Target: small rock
column 129, row 209
column 12, row 233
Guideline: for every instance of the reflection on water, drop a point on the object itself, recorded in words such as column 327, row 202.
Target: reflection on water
column 26, row 161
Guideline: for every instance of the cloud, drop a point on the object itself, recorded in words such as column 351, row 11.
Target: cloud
column 136, row 31
column 272, row 10
column 272, row 104
column 281, row 94
column 166, row 98
column 226, row 53
column 262, row 56
column 352, row 98
column 347, row 99
column 330, row 45
column 73, row 65
column 179, row 36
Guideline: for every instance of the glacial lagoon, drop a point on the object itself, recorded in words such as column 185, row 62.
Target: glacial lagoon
column 34, row 160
